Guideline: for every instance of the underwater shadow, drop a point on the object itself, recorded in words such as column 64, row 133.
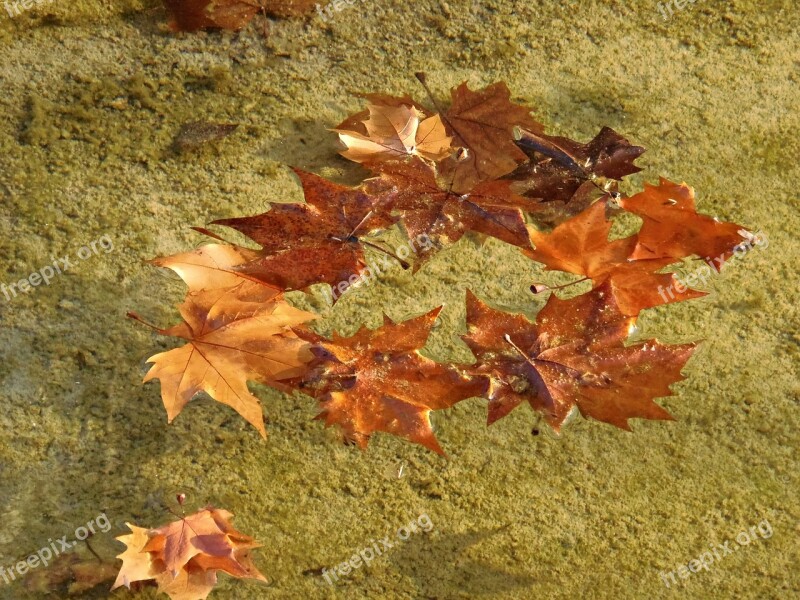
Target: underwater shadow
column 441, row 563
column 309, row 145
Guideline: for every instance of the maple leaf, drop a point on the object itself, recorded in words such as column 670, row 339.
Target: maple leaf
column 205, row 533
column 672, row 228
column 608, row 155
column 395, row 131
column 238, row 331
column 564, row 175
column 411, row 188
column 183, row 557
column 136, row 563
column 573, row 355
column 315, row 242
column 376, row 380
column 215, row 266
column 483, row 123
column 581, row 245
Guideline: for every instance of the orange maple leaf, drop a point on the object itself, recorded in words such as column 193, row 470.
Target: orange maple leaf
column 183, row 557
column 672, row 228
column 573, row 355
column 580, row 245
column 391, row 132
column 378, row 381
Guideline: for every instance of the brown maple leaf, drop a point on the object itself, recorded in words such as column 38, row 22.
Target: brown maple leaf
column 183, row 557
column 315, row 242
column 412, row 189
column 573, row 355
column 581, row 246
column 237, row 331
column 390, row 132
column 482, row 123
column 378, row 381
column 672, row 228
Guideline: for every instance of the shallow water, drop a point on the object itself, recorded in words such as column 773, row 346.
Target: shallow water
column 92, row 99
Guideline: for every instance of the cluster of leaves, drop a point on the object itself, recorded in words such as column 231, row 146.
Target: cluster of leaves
column 481, row 165
column 192, row 15
column 183, row 557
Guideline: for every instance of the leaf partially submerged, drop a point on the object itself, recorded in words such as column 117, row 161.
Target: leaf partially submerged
column 672, row 228
column 195, row 134
column 71, row 575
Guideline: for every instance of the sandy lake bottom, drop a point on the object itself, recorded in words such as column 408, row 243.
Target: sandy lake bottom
column 93, row 94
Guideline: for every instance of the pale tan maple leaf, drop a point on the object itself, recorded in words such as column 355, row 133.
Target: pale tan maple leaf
column 235, row 335
column 188, row 584
column 392, row 132
column 212, row 266
column 136, row 563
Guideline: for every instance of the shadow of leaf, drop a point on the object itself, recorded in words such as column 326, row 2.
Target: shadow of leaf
column 443, row 562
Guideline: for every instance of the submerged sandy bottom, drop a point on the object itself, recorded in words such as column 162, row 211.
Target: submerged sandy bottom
column 92, row 98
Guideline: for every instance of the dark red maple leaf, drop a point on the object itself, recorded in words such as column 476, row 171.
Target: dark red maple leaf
column 315, row 242
column 672, row 228
column 376, row 380
column 581, row 245
column 566, row 176
column 574, row 355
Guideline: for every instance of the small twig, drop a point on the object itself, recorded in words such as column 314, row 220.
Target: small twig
column 538, row 288
column 89, row 546
column 132, row 315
